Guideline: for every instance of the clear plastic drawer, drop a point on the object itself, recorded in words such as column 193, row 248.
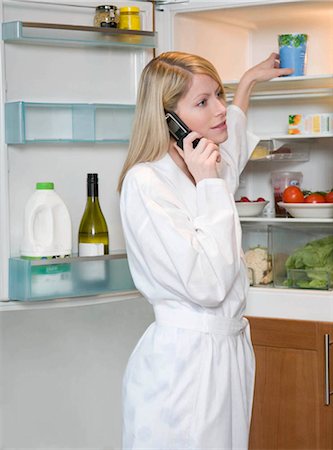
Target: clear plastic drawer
column 31, row 280
column 302, row 256
column 256, row 246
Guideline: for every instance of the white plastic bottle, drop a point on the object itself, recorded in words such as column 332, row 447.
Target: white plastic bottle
column 47, row 225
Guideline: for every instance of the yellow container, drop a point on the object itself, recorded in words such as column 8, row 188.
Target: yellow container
column 129, row 18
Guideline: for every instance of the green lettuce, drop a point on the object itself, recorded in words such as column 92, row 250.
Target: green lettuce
column 316, row 259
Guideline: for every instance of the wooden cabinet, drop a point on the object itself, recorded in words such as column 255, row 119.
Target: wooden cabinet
column 289, row 410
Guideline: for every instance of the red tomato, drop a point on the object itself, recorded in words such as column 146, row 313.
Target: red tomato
column 292, row 194
column 244, row 199
column 315, row 198
column 329, row 197
column 260, row 199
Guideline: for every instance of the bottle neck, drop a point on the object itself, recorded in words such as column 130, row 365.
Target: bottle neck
column 93, row 190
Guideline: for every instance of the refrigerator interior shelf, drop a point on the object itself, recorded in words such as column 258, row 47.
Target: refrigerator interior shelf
column 291, row 137
column 289, row 95
column 27, row 122
column 280, row 151
column 61, row 34
column 288, row 87
column 33, row 280
column 287, row 220
column 301, row 157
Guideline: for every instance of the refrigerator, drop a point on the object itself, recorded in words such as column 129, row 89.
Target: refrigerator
column 67, row 101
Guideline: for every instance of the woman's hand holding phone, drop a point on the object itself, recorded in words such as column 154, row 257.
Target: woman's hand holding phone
column 201, row 160
column 200, row 154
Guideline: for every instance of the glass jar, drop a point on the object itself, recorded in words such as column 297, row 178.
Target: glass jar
column 106, row 16
column 129, row 18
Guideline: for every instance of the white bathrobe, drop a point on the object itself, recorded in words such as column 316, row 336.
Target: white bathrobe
column 189, row 381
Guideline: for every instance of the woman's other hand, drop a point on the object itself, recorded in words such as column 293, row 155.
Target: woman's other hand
column 264, row 71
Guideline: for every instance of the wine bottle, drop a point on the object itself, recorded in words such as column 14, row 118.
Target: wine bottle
column 93, row 230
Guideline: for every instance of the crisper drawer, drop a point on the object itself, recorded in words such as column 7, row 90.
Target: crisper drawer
column 302, row 256
column 256, row 245
column 31, row 280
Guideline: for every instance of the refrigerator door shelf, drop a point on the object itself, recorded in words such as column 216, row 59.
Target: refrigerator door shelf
column 60, row 122
column 33, row 280
column 58, row 34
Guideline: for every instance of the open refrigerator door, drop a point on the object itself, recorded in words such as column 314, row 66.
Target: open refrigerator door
column 68, row 95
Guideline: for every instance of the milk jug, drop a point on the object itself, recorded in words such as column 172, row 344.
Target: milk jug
column 47, row 225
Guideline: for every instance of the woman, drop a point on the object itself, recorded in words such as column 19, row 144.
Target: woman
column 189, row 382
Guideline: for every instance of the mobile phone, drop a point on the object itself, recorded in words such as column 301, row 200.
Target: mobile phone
column 178, row 129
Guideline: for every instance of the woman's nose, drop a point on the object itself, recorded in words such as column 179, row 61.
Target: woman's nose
column 220, row 107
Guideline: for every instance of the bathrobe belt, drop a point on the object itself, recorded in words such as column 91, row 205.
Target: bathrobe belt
column 200, row 321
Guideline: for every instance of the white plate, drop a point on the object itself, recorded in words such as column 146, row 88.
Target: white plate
column 309, row 210
column 250, row 209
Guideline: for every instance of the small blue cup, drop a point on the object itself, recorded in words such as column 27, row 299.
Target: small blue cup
column 293, row 52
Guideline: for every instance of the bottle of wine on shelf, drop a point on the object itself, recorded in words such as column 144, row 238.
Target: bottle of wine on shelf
column 93, row 231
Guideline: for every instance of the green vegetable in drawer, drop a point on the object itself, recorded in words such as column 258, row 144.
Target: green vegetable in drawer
column 316, row 259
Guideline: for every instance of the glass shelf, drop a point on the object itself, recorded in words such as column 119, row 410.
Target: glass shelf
column 292, row 137
column 287, row 220
column 49, row 33
column 28, row 122
column 279, row 151
column 32, row 280
column 288, row 87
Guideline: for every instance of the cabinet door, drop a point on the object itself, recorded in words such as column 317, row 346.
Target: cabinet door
column 289, row 410
column 326, row 383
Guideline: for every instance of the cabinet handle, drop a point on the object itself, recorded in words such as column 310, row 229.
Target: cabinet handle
column 328, row 391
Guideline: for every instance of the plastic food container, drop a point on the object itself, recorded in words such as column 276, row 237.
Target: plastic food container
column 300, row 256
column 310, row 123
column 280, row 181
column 129, row 18
column 293, row 52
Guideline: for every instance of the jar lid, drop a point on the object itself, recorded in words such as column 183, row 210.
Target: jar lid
column 133, row 9
column 44, row 185
column 106, row 8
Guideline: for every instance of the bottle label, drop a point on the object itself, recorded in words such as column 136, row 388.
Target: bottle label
column 91, row 249
column 92, row 271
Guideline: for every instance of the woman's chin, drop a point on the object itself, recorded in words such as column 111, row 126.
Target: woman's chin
column 221, row 138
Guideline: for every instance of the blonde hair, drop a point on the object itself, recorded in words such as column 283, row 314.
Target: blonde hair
column 163, row 82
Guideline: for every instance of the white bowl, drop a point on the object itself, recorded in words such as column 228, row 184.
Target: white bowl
column 309, row 210
column 250, row 209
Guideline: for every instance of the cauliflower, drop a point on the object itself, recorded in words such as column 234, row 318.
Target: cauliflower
column 259, row 264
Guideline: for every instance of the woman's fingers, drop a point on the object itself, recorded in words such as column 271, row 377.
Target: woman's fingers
column 189, row 140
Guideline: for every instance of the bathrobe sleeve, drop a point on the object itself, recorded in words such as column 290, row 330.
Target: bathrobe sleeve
column 173, row 254
column 237, row 149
